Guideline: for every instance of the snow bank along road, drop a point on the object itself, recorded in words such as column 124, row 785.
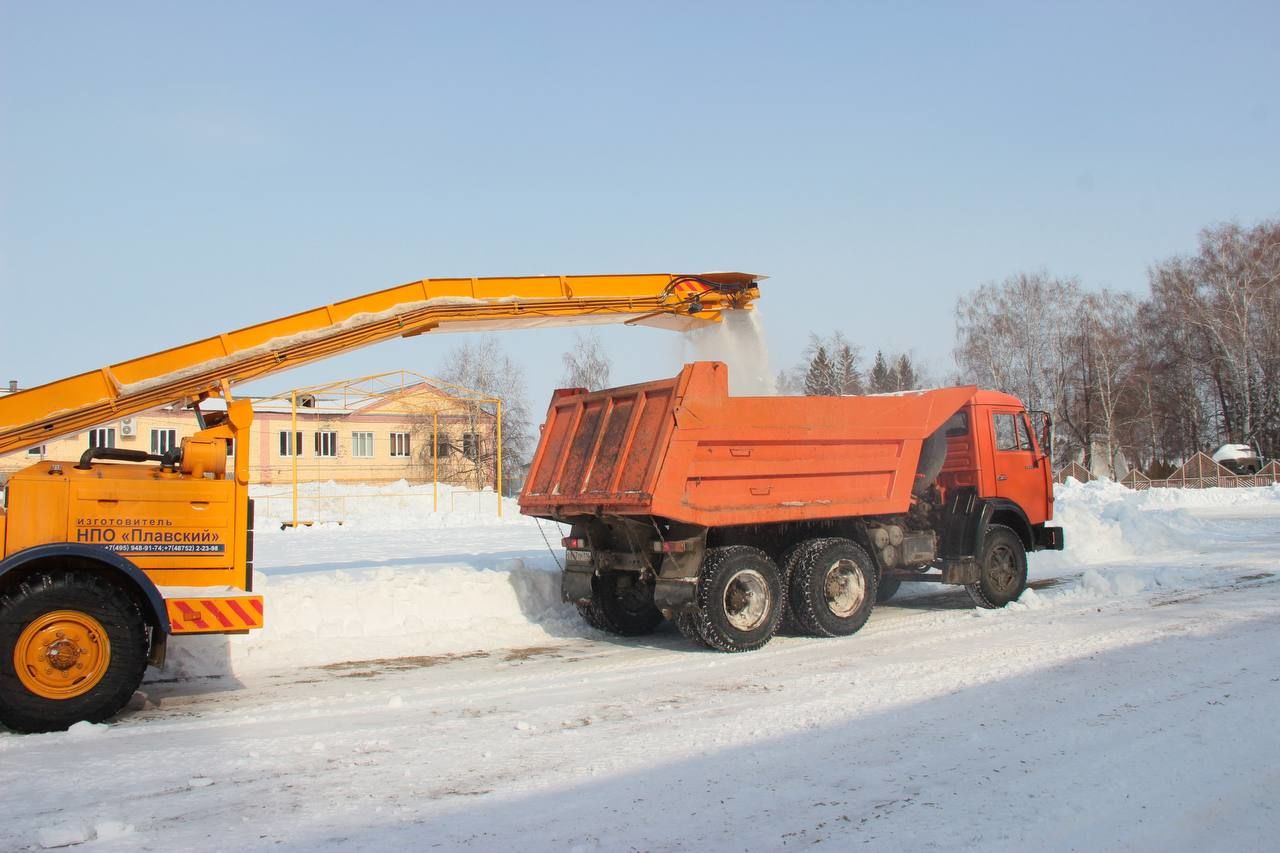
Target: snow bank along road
column 422, row 688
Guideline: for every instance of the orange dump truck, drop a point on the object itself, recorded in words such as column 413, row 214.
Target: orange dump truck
column 729, row 514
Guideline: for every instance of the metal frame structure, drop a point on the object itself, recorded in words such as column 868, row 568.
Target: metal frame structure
column 392, row 384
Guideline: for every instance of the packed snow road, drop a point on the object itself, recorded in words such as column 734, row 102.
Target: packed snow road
column 425, row 690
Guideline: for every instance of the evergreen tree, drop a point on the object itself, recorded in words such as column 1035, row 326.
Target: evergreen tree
column 848, row 380
column 904, row 374
column 821, row 376
column 790, row 382
column 882, row 378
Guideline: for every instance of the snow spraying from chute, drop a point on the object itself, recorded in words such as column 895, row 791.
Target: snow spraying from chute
column 738, row 340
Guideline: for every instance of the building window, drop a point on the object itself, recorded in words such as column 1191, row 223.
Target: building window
column 38, row 450
column 471, row 445
column 287, row 446
column 163, row 440
column 362, row 445
column 443, row 448
column 400, row 444
column 326, row 443
column 102, row 437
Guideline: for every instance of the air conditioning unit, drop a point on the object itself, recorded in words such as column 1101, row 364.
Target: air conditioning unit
column 128, row 427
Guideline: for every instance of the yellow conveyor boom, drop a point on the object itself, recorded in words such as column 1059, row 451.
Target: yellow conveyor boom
column 680, row 302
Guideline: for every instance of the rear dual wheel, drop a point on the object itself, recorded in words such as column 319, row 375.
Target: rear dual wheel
column 740, row 600
column 832, row 587
column 72, row 647
column 622, row 604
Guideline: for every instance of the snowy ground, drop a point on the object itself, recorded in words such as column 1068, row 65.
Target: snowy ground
column 420, row 686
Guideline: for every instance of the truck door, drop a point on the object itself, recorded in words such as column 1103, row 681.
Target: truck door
column 1020, row 476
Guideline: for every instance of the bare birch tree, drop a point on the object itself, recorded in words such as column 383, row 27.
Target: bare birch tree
column 482, row 365
column 1228, row 295
column 1012, row 336
column 1192, row 367
column 586, row 365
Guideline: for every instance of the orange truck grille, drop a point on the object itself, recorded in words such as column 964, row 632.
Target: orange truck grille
column 214, row 615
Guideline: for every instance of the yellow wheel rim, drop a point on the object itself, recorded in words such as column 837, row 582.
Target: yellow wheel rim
column 62, row 654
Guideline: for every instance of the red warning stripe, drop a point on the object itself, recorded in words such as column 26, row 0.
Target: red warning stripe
column 245, row 618
column 190, row 614
column 212, row 615
column 688, row 288
column 217, row 614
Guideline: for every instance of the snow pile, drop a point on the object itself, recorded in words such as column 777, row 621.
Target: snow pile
column 397, row 580
column 327, row 617
column 389, row 506
column 394, row 579
column 1264, row 498
column 1130, row 543
column 1104, row 521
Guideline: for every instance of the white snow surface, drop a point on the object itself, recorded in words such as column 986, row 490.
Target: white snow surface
column 420, row 685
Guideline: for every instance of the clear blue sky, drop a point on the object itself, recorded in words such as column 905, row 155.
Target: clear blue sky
column 169, row 171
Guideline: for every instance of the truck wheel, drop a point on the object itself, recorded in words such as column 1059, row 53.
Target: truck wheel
column 787, row 567
column 621, row 603
column 72, row 647
column 739, row 598
column 690, row 627
column 886, row 589
column 1002, row 569
column 833, row 588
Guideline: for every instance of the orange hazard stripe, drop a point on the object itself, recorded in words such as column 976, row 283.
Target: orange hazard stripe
column 214, row 615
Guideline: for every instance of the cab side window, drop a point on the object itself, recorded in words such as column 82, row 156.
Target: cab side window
column 1006, row 431
column 1024, row 437
column 957, row 426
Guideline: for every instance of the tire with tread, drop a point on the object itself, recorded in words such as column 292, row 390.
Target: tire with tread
column 787, row 566
column 1002, row 567
column 739, row 600
column 81, row 596
column 689, row 625
column 833, row 587
column 622, row 604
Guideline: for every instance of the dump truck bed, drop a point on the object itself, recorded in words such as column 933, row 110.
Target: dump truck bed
column 683, row 449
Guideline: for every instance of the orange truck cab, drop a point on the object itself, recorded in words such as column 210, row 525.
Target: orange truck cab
column 728, row 514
